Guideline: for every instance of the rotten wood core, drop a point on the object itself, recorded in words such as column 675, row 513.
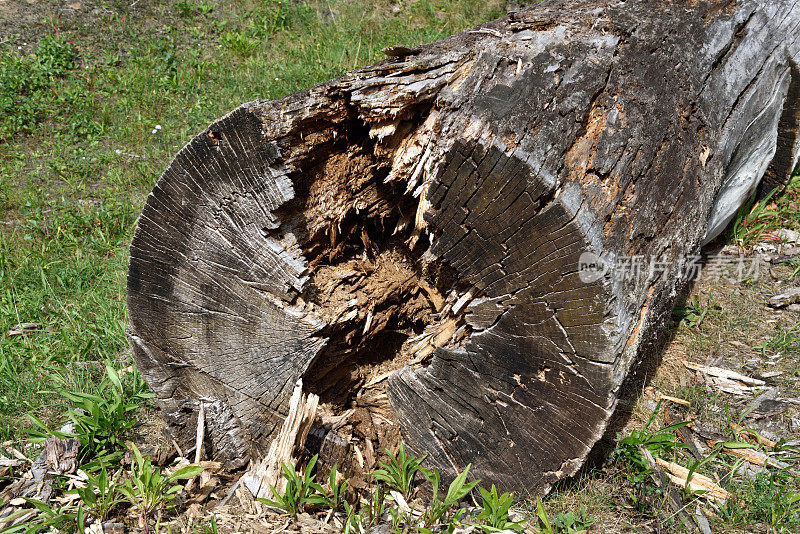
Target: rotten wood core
column 408, row 239
column 367, row 278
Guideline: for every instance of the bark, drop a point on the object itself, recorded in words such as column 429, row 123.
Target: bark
column 426, row 219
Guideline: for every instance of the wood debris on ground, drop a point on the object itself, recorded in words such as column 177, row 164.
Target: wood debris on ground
column 23, row 328
column 726, row 380
column 697, row 483
column 661, row 480
column 753, row 456
column 786, row 298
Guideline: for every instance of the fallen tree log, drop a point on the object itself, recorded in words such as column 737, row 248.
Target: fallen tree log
column 425, row 242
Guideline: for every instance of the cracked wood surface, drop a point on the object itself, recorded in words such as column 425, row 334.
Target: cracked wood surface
column 623, row 129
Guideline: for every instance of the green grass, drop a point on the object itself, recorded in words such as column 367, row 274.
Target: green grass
column 786, row 341
column 63, row 270
column 769, row 498
column 78, row 156
column 756, row 221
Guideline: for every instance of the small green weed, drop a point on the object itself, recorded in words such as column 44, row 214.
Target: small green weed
column 48, row 518
column 239, row 43
column 795, row 264
column 693, row 314
column 100, row 494
column 301, row 490
column 569, row 523
column 188, row 8
column 100, row 420
column 369, row 515
column 786, row 341
column 755, row 220
column 658, row 443
column 149, row 490
column 274, row 17
column 494, row 516
column 439, row 507
column 338, row 493
column 399, row 474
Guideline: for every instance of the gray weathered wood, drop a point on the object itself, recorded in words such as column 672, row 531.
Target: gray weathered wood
column 447, row 196
column 786, row 298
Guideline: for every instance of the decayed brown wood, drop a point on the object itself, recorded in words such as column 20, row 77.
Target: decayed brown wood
column 419, row 227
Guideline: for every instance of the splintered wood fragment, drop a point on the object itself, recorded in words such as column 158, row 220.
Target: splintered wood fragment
column 62, row 454
column 784, row 299
column 436, row 299
column 676, row 400
column 752, row 435
column 724, row 374
column 201, row 433
column 751, row 455
column 445, row 333
column 23, row 328
column 678, row 475
column 401, row 502
column 266, row 473
column 15, row 453
column 378, row 379
column 199, row 437
column 359, row 455
column 177, row 448
column 462, row 301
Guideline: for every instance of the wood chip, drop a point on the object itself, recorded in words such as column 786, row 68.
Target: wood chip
column 400, row 501
column 24, row 328
column 751, row 455
column 661, row 480
column 177, row 447
column 378, row 379
column 784, row 299
column 359, row 456
column 676, row 400
column 720, row 372
column 61, row 455
column 14, row 452
column 726, row 380
column 678, row 474
column 199, row 437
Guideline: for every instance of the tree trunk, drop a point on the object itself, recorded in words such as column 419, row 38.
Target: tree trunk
column 430, row 219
